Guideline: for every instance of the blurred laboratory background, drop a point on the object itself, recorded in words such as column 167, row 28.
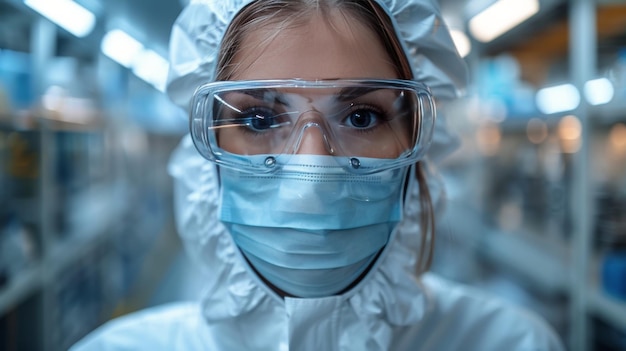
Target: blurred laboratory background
column 535, row 209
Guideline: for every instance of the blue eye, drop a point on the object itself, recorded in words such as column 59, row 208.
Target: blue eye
column 260, row 119
column 259, row 122
column 363, row 118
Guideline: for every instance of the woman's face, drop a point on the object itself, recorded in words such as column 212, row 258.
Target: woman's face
column 338, row 47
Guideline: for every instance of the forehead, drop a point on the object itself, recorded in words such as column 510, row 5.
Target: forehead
column 337, row 46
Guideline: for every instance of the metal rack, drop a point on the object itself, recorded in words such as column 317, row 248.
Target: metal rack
column 59, row 249
column 567, row 266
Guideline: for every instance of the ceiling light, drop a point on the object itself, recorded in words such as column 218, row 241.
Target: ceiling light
column 120, row 47
column 599, row 91
column 152, row 68
column 67, row 14
column 559, row 98
column 501, row 17
column 461, row 41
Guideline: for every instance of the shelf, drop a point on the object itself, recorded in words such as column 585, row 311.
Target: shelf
column 540, row 260
column 613, row 112
column 68, row 252
column 28, row 209
column 61, row 257
column 607, row 307
column 19, row 287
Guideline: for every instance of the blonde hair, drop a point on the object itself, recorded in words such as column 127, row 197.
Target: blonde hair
column 288, row 13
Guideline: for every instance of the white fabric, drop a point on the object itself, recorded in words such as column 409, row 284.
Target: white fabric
column 390, row 309
column 458, row 318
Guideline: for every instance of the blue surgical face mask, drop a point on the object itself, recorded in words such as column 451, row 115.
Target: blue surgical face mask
column 312, row 228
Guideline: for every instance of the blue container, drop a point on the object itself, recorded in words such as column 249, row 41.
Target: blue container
column 614, row 273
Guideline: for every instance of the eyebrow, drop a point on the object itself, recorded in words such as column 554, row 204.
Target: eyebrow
column 345, row 94
column 349, row 93
column 261, row 94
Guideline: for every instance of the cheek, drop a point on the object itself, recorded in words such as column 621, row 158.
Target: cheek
column 388, row 147
column 241, row 142
column 231, row 141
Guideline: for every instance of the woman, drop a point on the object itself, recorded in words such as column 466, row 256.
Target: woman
column 313, row 215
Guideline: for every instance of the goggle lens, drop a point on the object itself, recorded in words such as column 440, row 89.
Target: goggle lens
column 390, row 119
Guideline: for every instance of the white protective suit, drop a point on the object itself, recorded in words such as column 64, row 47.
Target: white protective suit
column 389, row 309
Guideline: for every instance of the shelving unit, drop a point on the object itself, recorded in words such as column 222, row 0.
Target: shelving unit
column 101, row 230
column 60, row 245
column 608, row 308
column 32, row 278
column 98, row 223
column 544, row 262
column 561, row 266
column 29, row 281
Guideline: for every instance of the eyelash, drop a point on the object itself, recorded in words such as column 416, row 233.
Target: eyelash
column 383, row 114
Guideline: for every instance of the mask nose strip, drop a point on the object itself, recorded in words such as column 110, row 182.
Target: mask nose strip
column 307, row 140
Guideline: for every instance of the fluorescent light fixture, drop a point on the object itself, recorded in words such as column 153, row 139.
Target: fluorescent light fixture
column 461, row 41
column 130, row 53
column 120, row 47
column 67, row 14
column 500, row 17
column 599, row 91
column 559, row 98
column 152, row 68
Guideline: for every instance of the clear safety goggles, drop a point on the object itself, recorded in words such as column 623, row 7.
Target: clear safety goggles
column 387, row 120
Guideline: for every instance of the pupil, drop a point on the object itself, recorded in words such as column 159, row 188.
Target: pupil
column 360, row 119
column 261, row 122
